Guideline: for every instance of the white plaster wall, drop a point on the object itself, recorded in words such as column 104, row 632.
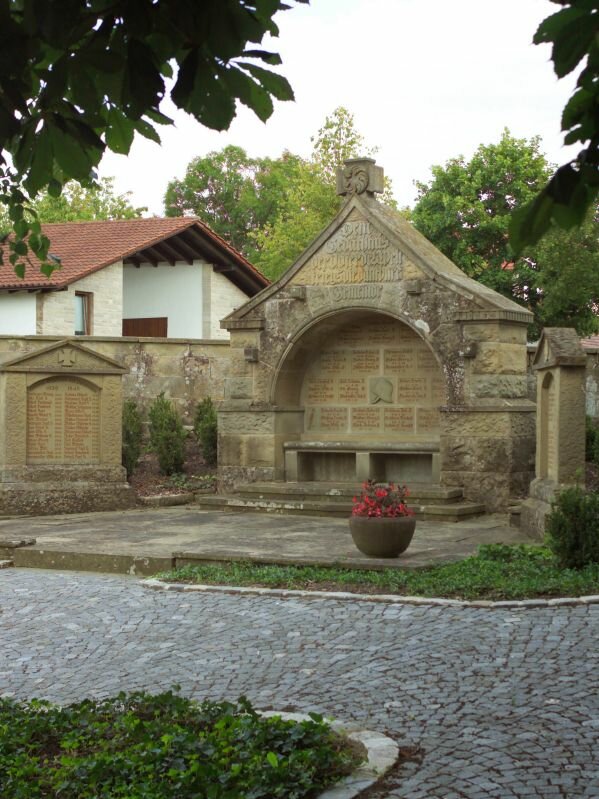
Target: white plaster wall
column 57, row 308
column 165, row 290
column 225, row 297
column 18, row 314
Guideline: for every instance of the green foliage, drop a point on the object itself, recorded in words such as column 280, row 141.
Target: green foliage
column 167, row 435
column 79, row 203
column 205, row 427
column 497, row 572
column 132, row 436
column 573, row 527
column 573, row 189
column 591, row 440
column 312, row 201
column 163, row 746
column 233, row 193
column 88, row 79
column 465, row 211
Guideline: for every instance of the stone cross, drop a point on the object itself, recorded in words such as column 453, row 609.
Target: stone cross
column 360, row 176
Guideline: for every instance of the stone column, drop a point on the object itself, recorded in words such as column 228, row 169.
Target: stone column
column 560, row 366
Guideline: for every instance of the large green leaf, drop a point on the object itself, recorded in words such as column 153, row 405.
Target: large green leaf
column 120, row 131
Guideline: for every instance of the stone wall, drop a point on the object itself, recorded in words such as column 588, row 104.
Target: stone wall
column 56, row 309
column 187, row 370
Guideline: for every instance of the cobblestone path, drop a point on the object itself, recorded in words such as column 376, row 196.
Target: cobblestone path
column 504, row 703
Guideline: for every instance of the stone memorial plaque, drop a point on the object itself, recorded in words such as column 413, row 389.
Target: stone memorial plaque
column 399, row 360
column 63, row 423
column 426, row 360
column 411, row 389
column 334, row 361
column 365, row 361
column 405, row 333
column 427, row 420
column 320, row 390
column 350, row 335
column 399, row 420
column 333, row 418
column 352, row 389
column 382, row 333
column 365, row 419
column 356, row 253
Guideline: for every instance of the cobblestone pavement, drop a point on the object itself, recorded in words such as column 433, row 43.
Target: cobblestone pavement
column 504, row 703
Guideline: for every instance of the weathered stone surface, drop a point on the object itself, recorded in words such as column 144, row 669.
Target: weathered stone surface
column 367, row 337
column 60, row 428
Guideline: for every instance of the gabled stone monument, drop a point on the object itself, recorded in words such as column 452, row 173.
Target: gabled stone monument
column 60, row 432
column 375, row 356
column 560, row 365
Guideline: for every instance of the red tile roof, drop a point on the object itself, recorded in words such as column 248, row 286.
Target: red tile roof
column 590, row 343
column 86, row 247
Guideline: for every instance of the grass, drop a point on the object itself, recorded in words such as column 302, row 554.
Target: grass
column 497, row 572
column 164, row 746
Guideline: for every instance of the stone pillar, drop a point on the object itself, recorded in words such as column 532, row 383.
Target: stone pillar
column 560, row 366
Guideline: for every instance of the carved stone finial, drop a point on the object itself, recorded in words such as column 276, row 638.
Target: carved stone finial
column 360, row 176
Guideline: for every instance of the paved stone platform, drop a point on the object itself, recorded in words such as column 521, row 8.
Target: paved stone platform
column 504, row 703
column 146, row 540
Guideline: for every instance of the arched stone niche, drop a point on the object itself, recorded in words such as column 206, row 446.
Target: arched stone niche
column 365, row 384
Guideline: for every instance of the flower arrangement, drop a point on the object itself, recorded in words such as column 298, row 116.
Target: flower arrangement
column 382, row 500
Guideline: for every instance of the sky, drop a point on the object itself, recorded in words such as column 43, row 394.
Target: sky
column 425, row 81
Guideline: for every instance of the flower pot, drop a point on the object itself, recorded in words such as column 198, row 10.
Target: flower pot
column 382, row 537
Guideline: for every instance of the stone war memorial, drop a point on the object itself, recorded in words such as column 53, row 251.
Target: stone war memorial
column 375, row 356
column 60, row 432
column 560, row 366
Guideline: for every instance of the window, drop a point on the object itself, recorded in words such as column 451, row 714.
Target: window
column 83, row 314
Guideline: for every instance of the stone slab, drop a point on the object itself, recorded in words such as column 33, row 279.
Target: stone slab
column 97, row 541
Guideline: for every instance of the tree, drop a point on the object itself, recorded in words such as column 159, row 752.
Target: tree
column 574, row 187
column 312, row 200
column 233, row 193
column 81, row 76
column 79, row 204
column 465, row 211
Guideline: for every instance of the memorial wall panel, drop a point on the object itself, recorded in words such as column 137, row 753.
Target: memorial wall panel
column 63, row 423
column 375, row 380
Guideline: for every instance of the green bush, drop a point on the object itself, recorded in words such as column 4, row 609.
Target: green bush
column 205, row 429
column 573, row 527
column 132, row 435
column 592, row 441
column 167, row 435
column 163, row 747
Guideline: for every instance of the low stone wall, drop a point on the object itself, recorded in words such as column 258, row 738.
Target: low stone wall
column 187, row 370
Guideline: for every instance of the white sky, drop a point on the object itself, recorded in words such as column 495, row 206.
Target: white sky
column 426, row 81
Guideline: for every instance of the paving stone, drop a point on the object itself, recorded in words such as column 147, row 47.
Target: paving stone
column 503, row 703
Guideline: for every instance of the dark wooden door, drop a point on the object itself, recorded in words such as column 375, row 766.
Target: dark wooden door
column 155, row 327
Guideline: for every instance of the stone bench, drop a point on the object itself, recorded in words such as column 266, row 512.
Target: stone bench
column 340, row 461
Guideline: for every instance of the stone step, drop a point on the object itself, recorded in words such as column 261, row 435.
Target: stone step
column 6, row 564
column 340, row 492
column 453, row 511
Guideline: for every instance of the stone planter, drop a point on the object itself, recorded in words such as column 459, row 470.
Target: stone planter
column 382, row 538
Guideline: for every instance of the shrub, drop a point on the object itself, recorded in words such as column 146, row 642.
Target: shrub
column 573, row 527
column 163, row 747
column 592, row 441
column 132, row 435
column 167, row 435
column 205, row 429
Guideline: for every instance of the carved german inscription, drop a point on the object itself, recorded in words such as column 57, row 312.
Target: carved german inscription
column 333, row 418
column 63, row 423
column 356, row 253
